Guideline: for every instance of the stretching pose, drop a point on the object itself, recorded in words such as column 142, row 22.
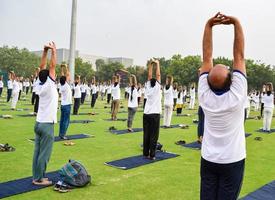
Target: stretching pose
column 46, row 117
column 222, row 97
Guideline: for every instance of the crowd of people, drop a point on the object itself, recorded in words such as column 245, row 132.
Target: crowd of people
column 223, row 103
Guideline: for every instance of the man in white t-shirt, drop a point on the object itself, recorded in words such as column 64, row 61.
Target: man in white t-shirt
column 15, row 90
column 192, row 94
column 109, row 92
column 46, row 117
column 168, row 102
column 152, row 111
column 66, row 101
column 222, row 97
column 115, row 91
column 9, row 87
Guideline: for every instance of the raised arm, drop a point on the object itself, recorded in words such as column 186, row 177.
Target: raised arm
column 158, row 76
column 53, row 61
column 207, row 43
column 238, row 48
column 150, row 70
column 43, row 62
column 65, row 72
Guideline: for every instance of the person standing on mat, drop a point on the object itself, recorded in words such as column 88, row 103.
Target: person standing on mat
column 168, row 102
column 15, row 90
column 9, row 87
column 222, row 96
column 36, row 88
column 1, row 85
column 152, row 111
column 175, row 94
column 66, row 101
column 116, row 97
column 261, row 100
column 94, row 92
column 192, row 93
column 46, row 117
column 132, row 101
column 77, row 95
column 268, row 101
column 179, row 105
column 108, row 91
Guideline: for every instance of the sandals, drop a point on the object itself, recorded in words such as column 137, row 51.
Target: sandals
column 69, row 143
column 258, row 138
column 6, row 148
column 180, row 142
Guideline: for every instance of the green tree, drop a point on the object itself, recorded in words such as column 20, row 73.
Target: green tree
column 84, row 69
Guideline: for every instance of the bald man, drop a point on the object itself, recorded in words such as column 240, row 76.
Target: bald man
column 222, row 96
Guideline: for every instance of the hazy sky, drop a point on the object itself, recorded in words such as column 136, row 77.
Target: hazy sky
column 138, row 29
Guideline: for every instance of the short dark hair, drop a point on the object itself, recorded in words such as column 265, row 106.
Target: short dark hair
column 62, row 80
column 43, row 75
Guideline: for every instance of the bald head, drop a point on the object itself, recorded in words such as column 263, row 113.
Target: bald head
column 219, row 77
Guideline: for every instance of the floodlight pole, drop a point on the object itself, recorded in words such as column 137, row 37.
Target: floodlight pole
column 73, row 40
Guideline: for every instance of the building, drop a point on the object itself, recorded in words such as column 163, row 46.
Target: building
column 63, row 56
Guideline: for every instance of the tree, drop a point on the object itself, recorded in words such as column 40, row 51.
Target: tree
column 84, row 69
column 106, row 71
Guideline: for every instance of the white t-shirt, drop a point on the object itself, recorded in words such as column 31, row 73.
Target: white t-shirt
column 94, row 89
column 48, row 102
column 36, row 86
column 168, row 96
column 10, row 84
column 16, row 86
column 175, row 93
column 66, row 94
column 192, row 93
column 153, row 102
column 224, row 135
column 77, row 92
column 83, row 88
column 268, row 101
column 27, row 84
column 20, row 86
column 180, row 100
column 1, row 84
column 109, row 89
column 115, row 92
column 134, row 102
column 139, row 92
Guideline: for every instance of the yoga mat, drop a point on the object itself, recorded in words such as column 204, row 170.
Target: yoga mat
column 26, row 115
column 172, row 126
column 119, row 119
column 261, row 131
column 136, row 161
column 118, row 132
column 196, row 145
column 87, row 113
column 23, row 185
column 86, row 121
column 267, row 192
column 17, row 109
column 71, row 137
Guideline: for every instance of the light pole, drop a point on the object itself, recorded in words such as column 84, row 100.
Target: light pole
column 73, row 40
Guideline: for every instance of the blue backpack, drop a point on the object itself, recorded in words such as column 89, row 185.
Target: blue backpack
column 75, row 174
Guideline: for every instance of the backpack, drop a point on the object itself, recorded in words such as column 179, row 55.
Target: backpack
column 75, row 174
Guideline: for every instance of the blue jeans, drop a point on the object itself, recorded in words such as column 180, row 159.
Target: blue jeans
column 64, row 120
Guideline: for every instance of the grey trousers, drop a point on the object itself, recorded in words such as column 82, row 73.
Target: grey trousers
column 131, row 115
column 44, row 138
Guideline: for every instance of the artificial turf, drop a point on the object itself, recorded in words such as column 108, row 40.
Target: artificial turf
column 176, row 178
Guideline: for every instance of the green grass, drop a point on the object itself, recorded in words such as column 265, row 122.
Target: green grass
column 176, row 178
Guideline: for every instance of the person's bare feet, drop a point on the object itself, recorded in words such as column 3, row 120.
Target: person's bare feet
column 43, row 182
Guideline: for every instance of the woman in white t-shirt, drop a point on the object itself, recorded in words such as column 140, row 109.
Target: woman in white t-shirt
column 168, row 102
column 1, row 85
column 15, row 91
column 268, row 101
column 139, row 93
column 108, row 91
column 152, row 111
column 132, row 102
column 175, row 95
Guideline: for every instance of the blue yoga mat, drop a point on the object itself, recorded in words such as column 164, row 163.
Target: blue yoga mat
column 23, row 185
column 71, row 137
column 267, row 192
column 118, row 132
column 261, row 131
column 80, row 121
column 26, row 115
column 171, row 126
column 119, row 119
column 136, row 161
column 196, row 145
column 87, row 113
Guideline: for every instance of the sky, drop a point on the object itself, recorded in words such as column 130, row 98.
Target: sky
column 138, row 29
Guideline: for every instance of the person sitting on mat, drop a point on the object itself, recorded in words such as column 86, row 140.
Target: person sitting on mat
column 132, row 101
column 168, row 102
column 222, row 96
column 46, row 117
column 179, row 105
column 77, row 95
column 152, row 111
column 66, row 101
column 116, row 97
column 268, row 101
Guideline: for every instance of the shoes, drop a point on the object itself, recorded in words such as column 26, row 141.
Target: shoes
column 112, row 128
column 64, row 138
column 180, row 142
column 62, row 187
column 6, row 147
